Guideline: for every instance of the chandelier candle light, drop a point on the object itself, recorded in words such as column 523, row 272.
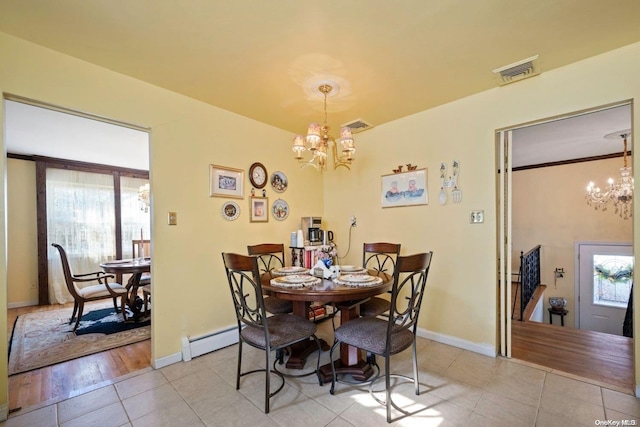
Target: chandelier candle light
column 319, row 140
column 619, row 192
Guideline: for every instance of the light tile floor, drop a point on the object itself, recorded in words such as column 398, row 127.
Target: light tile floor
column 458, row 387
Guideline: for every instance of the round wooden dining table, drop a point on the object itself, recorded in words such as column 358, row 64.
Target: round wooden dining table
column 347, row 299
column 135, row 267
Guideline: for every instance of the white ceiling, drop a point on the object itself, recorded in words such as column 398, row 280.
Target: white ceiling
column 34, row 130
column 261, row 59
column 570, row 138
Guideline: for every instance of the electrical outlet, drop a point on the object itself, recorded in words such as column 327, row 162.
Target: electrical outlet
column 353, row 221
column 476, row 217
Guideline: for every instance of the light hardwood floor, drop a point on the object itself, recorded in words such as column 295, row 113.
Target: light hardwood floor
column 58, row 382
column 601, row 357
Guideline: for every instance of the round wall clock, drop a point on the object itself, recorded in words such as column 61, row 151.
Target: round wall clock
column 258, row 175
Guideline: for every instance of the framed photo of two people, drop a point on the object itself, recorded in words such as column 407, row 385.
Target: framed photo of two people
column 404, row 189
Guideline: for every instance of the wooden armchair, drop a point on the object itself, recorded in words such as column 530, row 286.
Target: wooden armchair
column 142, row 249
column 102, row 290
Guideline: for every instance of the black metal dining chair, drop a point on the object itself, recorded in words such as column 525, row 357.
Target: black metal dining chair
column 272, row 333
column 390, row 336
column 271, row 256
column 380, row 257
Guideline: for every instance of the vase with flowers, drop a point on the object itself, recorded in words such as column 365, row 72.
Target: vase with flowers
column 326, row 253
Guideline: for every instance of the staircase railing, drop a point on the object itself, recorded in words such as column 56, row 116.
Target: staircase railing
column 529, row 275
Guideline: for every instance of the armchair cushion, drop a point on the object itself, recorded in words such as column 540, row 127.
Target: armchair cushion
column 101, row 290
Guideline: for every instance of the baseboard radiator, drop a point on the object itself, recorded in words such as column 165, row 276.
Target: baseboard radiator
column 202, row 344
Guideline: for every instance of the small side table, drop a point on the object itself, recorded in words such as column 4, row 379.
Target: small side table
column 560, row 313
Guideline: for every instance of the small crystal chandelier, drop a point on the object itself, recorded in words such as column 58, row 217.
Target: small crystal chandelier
column 143, row 197
column 320, row 142
column 619, row 192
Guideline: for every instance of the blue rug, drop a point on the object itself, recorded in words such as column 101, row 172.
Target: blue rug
column 106, row 321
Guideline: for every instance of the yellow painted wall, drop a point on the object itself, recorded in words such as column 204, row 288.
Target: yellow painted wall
column 549, row 209
column 22, row 250
column 190, row 294
column 461, row 299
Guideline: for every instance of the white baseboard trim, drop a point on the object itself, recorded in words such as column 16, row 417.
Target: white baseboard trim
column 4, row 412
column 167, row 360
column 22, row 304
column 485, row 349
column 202, row 344
column 199, row 345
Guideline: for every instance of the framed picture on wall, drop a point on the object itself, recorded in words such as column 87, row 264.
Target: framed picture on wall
column 404, row 189
column 226, row 182
column 259, row 207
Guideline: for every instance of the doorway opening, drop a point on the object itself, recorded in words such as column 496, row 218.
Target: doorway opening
column 39, row 130
column 542, row 203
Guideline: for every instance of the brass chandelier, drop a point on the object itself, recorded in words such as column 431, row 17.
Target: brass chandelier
column 619, row 192
column 319, row 141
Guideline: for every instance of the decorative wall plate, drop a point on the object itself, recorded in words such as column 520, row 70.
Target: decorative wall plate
column 279, row 182
column 230, row 211
column 280, row 210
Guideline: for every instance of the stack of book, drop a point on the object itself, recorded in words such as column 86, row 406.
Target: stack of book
column 319, row 311
column 311, row 255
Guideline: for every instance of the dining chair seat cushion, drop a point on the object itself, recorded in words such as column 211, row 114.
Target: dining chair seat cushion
column 275, row 305
column 370, row 334
column 145, row 279
column 100, row 290
column 374, row 307
column 284, row 329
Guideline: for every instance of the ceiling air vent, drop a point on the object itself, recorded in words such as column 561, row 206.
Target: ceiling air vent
column 517, row 71
column 357, row 125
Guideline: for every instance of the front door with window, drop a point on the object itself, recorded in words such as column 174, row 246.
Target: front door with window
column 605, row 274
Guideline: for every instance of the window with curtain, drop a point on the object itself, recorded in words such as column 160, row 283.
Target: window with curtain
column 136, row 224
column 83, row 217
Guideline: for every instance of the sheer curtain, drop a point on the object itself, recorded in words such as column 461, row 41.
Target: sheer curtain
column 80, row 218
column 136, row 223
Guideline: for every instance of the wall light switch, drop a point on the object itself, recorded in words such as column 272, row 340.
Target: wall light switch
column 476, row 217
column 172, row 218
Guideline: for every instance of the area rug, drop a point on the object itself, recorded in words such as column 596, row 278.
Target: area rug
column 45, row 338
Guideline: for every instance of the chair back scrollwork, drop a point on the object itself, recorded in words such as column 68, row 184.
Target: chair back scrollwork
column 270, row 255
column 410, row 278
column 244, row 283
column 380, row 256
